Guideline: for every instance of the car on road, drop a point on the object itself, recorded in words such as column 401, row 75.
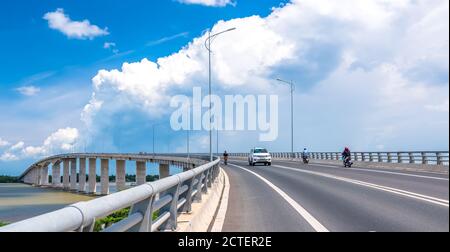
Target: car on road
column 259, row 156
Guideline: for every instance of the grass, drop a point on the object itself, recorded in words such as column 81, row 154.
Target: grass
column 3, row 224
column 114, row 218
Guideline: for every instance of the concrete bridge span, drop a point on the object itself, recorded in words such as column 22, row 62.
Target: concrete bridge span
column 78, row 172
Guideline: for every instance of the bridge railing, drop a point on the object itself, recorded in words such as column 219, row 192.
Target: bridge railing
column 401, row 157
column 168, row 197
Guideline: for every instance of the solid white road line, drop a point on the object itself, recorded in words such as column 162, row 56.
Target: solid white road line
column 302, row 211
column 422, row 197
column 374, row 170
column 386, row 172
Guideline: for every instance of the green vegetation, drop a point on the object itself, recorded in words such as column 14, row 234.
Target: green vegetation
column 114, row 218
column 9, row 179
column 3, row 224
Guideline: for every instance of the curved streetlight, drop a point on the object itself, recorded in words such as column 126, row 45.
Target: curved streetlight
column 292, row 86
column 208, row 47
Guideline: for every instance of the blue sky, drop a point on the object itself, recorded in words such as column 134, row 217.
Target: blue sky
column 380, row 64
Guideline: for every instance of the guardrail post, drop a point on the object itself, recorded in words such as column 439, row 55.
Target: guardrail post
column 198, row 196
column 399, row 158
column 188, row 206
column 380, row 157
column 371, row 157
column 144, row 207
column 424, row 158
column 389, row 157
column 411, row 158
column 439, row 159
column 172, row 208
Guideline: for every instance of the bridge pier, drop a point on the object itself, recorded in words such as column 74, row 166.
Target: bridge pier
column 44, row 175
column 82, row 176
column 141, row 173
column 66, row 179
column 56, row 174
column 92, row 175
column 104, row 176
column 164, row 171
column 73, row 174
column 120, row 175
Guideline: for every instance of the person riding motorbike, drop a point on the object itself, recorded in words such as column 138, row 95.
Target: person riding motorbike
column 305, row 156
column 225, row 157
column 347, row 157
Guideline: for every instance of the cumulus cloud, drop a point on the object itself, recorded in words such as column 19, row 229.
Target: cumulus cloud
column 28, row 90
column 357, row 54
column 59, row 21
column 63, row 140
column 369, row 74
column 211, row 3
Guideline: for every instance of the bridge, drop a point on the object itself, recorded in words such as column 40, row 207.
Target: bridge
column 384, row 191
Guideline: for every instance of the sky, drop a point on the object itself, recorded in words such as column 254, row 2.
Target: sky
column 96, row 76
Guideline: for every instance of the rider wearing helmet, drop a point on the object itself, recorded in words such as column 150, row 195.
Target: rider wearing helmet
column 305, row 153
column 346, row 153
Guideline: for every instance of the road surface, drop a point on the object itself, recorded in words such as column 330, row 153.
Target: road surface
column 289, row 196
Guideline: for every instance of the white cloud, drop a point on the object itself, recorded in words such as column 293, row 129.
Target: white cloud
column 17, row 146
column 211, row 3
column 363, row 50
column 28, row 90
column 58, row 20
column 8, row 157
column 356, row 65
column 63, row 140
column 3, row 143
column 108, row 45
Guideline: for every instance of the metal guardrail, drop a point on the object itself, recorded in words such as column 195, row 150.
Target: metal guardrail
column 401, row 157
column 168, row 197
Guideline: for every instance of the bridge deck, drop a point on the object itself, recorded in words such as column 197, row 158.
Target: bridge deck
column 339, row 199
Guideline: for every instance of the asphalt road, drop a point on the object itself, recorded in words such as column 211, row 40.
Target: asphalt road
column 290, row 196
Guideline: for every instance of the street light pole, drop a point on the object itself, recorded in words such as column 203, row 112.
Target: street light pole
column 208, row 47
column 188, row 146
column 292, row 86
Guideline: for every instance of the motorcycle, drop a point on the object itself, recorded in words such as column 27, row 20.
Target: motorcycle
column 225, row 160
column 348, row 162
column 305, row 159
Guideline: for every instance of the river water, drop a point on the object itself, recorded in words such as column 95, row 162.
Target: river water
column 19, row 201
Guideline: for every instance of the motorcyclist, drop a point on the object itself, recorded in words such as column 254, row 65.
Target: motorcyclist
column 225, row 157
column 305, row 153
column 305, row 156
column 347, row 156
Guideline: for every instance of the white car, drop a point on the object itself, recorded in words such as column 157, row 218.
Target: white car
column 259, row 156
